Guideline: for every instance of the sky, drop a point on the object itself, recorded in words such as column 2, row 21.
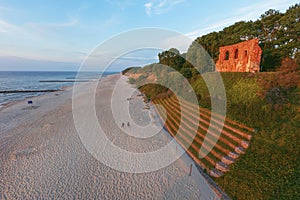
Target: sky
column 60, row 35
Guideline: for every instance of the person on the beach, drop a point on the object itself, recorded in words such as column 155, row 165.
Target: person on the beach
column 123, row 125
column 128, row 124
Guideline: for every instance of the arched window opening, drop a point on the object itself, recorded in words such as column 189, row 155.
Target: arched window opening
column 246, row 54
column 227, row 55
column 236, row 54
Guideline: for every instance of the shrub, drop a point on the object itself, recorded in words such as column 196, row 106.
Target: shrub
column 277, row 87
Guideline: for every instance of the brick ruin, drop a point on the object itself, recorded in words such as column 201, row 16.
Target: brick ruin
column 241, row 57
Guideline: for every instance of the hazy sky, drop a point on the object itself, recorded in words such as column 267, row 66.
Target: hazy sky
column 65, row 31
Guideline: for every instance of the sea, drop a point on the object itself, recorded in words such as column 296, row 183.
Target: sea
column 13, row 83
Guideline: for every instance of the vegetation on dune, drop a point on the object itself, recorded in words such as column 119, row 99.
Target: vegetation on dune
column 131, row 70
column 270, row 168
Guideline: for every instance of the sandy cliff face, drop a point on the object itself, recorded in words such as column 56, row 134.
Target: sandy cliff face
column 134, row 75
column 150, row 78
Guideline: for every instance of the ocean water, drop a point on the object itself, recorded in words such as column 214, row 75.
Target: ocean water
column 37, row 80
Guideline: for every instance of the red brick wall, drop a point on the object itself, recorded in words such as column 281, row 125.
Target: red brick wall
column 241, row 57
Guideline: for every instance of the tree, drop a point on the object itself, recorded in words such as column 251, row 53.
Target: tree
column 278, row 34
column 199, row 58
column 171, row 58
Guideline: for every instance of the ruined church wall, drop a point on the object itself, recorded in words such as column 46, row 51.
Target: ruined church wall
column 240, row 57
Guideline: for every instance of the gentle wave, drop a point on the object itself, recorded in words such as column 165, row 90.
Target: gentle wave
column 38, row 80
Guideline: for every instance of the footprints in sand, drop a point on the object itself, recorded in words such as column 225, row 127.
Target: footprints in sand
column 47, row 126
column 30, row 108
column 23, row 153
column 165, row 181
column 191, row 190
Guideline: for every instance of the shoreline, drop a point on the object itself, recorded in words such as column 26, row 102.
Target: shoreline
column 35, row 94
column 13, row 102
column 44, row 154
column 15, row 106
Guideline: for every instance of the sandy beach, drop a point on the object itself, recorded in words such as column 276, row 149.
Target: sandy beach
column 42, row 155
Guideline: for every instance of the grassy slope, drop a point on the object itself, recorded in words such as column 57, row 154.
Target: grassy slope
column 270, row 168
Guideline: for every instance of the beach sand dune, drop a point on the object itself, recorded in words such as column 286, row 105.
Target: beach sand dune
column 42, row 156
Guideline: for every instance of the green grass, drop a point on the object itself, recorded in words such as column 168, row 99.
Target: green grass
column 270, row 169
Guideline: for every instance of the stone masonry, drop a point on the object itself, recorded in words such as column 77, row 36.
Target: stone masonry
column 241, row 57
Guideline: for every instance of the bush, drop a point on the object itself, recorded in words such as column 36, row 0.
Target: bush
column 277, row 87
column 131, row 80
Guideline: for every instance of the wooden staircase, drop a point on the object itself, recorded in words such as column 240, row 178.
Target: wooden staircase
column 191, row 130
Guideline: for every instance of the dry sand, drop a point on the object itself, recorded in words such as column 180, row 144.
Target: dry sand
column 42, row 156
